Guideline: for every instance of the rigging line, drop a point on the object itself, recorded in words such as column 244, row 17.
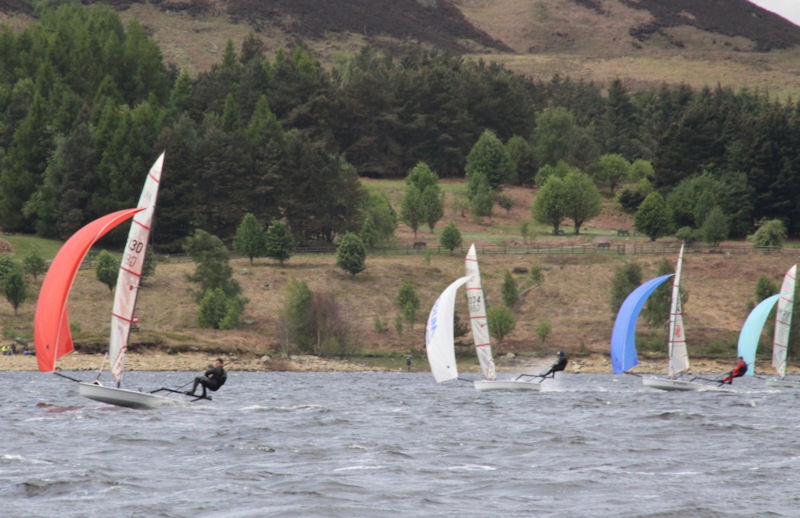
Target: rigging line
column 68, row 377
column 102, row 363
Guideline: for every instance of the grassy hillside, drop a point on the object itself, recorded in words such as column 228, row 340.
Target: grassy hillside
column 574, row 297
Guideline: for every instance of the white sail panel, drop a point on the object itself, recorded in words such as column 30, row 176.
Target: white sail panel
column 130, row 271
column 477, row 315
column 783, row 321
column 678, row 356
column 439, row 334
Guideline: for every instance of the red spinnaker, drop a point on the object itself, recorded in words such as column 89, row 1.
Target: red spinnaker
column 51, row 333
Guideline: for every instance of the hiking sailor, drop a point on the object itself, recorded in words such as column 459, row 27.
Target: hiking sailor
column 212, row 380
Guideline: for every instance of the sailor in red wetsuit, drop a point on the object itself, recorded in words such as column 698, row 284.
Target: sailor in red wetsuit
column 739, row 370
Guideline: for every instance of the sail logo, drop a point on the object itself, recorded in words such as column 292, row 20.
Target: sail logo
column 433, row 322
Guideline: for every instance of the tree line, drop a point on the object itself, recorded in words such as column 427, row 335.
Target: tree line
column 86, row 102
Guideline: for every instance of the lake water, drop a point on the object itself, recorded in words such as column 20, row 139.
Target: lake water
column 384, row 444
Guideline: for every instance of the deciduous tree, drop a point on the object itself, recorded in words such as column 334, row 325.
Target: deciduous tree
column 549, row 205
column 582, row 200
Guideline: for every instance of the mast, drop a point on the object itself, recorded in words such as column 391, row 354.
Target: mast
column 130, row 271
column 477, row 315
column 678, row 357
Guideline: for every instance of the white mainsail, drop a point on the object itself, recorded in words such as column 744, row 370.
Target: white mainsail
column 477, row 315
column 678, row 356
column 130, row 271
column 783, row 321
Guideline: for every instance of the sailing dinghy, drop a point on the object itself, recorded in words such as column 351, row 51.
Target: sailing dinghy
column 52, row 336
column 623, row 346
column 751, row 331
column 783, row 325
column 439, row 340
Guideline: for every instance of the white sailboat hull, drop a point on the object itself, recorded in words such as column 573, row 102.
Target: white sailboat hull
column 677, row 384
column 484, row 385
column 777, row 382
column 125, row 397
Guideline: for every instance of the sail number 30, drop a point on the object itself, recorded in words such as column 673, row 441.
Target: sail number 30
column 136, row 246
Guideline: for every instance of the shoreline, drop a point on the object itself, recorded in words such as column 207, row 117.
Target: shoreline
column 594, row 363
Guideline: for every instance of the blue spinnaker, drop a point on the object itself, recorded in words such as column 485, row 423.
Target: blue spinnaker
column 751, row 331
column 623, row 337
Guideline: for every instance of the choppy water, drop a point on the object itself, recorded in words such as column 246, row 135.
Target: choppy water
column 378, row 444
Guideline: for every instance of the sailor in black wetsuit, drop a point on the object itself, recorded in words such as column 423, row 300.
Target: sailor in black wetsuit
column 213, row 379
column 558, row 366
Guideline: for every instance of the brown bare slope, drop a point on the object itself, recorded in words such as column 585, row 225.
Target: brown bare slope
column 726, row 17
column 465, row 25
column 645, row 43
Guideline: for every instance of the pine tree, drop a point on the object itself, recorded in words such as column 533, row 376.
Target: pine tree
column 626, row 279
column 351, row 254
column 250, row 239
column 715, row 227
column 509, row 290
column 489, row 157
column 15, row 288
column 501, row 322
column 451, row 237
column 653, row 218
column 34, row 264
column 107, row 269
column 408, row 301
column 279, row 242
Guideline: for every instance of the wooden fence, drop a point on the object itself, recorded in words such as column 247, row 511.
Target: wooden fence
column 595, row 248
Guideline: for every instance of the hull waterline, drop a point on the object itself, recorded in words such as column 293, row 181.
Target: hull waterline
column 126, row 398
column 679, row 385
column 484, row 385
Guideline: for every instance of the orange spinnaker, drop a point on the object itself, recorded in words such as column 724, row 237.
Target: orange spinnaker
column 51, row 333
